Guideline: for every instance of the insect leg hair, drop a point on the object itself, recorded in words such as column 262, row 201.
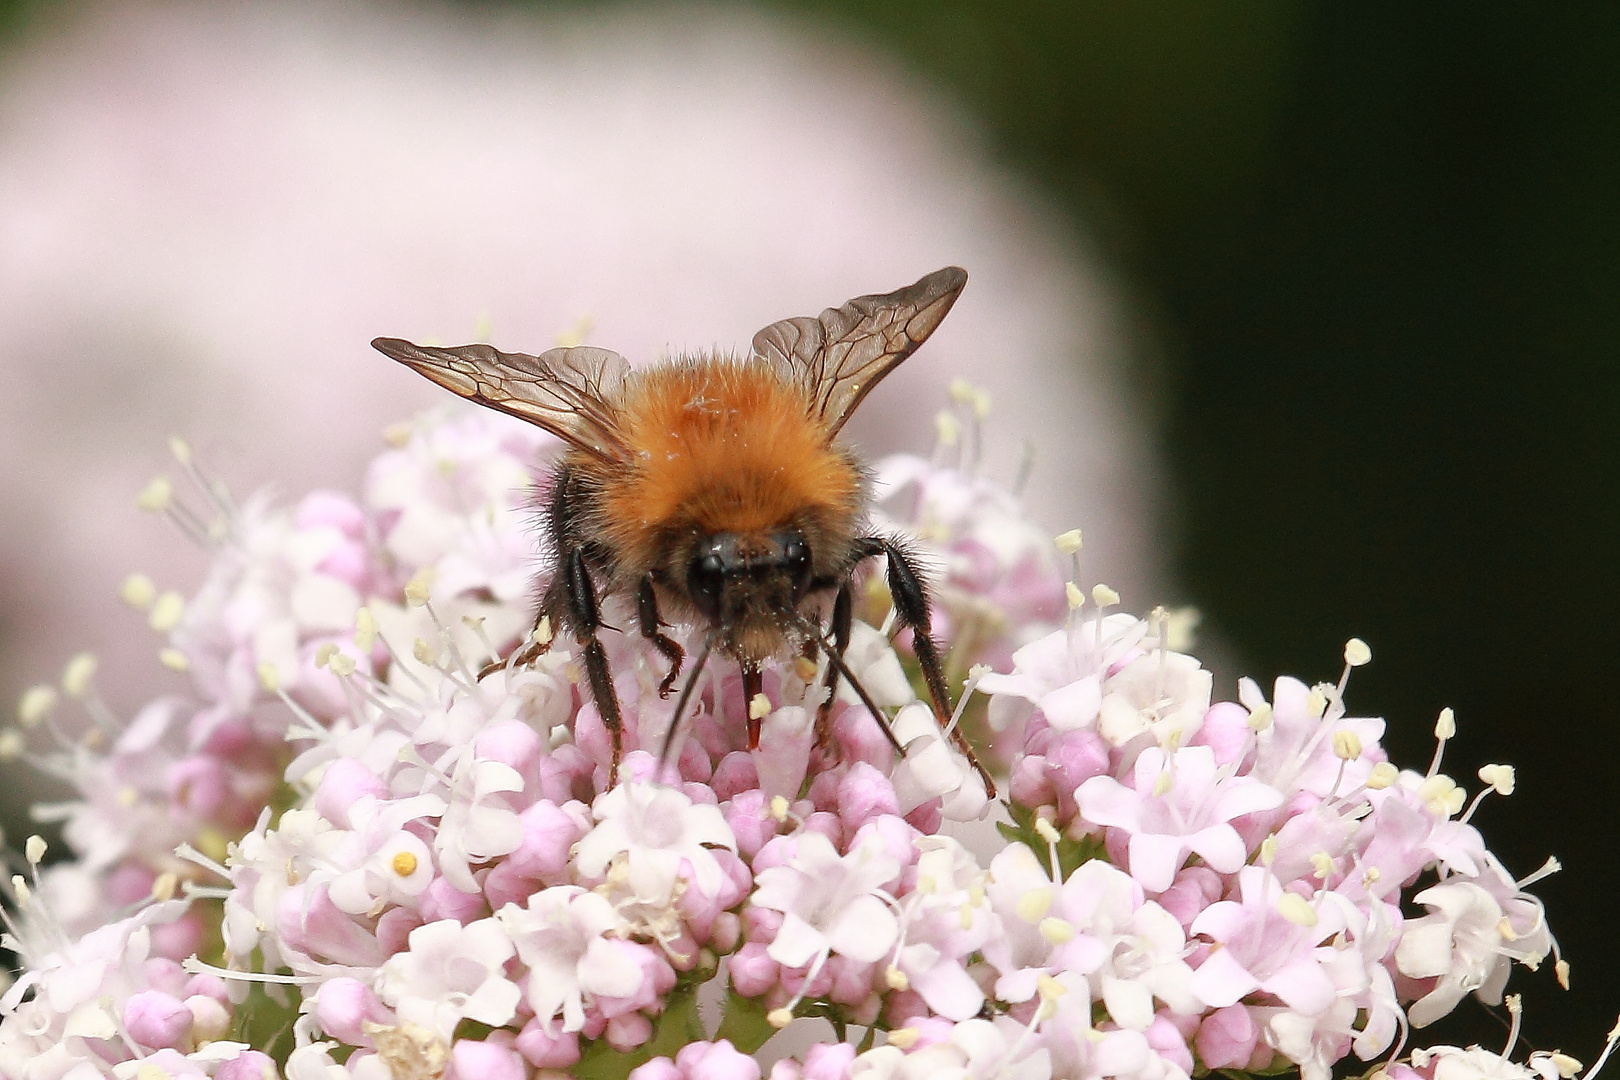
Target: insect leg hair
column 910, row 598
column 836, row 659
column 585, row 620
column 647, row 610
column 680, row 705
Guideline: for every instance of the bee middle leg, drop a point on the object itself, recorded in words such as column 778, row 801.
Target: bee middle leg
column 651, row 624
column 578, row 600
column 536, row 645
column 910, row 598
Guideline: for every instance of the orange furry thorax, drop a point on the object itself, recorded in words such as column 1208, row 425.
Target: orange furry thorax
column 722, row 446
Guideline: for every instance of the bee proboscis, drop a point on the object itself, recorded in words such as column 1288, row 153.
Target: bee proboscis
column 715, row 491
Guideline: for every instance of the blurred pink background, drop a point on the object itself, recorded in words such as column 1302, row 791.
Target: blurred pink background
column 207, row 212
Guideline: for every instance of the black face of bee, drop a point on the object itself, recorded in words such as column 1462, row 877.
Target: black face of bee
column 731, row 575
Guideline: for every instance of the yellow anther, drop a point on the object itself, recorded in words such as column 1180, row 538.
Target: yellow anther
column 1323, row 864
column 1561, row 970
column 1346, row 745
column 961, row 391
column 1382, row 776
column 156, row 496
column 1033, row 905
column 397, row 435
column 1316, row 702
column 1067, row 543
column 34, row 848
column 804, row 668
column 35, row 705
column 779, row 1018
column 947, row 428
column 1047, row 831
column 1057, row 931
column 423, row 651
column 1446, row 726
column 1268, row 850
column 1103, row 596
column 165, row 885
column 342, row 665
column 77, row 674
column 1163, row 784
column 1567, row 1066
column 1296, row 909
column 759, row 706
column 269, row 677
column 138, row 591
column 365, row 629
column 166, row 612
column 1260, row 719
column 1077, row 599
column 779, row 807
column 174, row 660
column 896, row 978
column 1049, row 988
column 419, row 588
column 904, row 1038
column 1500, row 777
column 12, row 744
column 324, row 654
column 1357, row 652
column 541, row 634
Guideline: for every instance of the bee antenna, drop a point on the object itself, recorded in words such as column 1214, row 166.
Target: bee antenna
column 837, row 661
column 680, row 704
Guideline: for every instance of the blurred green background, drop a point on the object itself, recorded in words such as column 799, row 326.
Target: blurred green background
column 1372, row 251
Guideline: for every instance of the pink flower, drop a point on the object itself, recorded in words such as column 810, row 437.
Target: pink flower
column 1177, row 805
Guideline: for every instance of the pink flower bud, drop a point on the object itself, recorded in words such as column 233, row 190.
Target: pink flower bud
column 748, row 815
column 628, row 1031
column 343, row 783
column 181, row 938
column 735, row 773
column 394, row 928
column 198, row 785
column 1226, row 1039
column 896, row 835
column 546, row 1050
column 510, row 742
column 471, row 1059
column 1226, row 731
column 864, row 793
column 656, row 978
column 1163, row 1035
column 851, row 980
column 827, row 825
column 716, row 1061
column 164, row 974
column 330, row 508
column 442, row 900
column 129, row 884
column 725, row 932
column 787, row 1069
column 208, row 986
column 210, row 1021
column 155, row 1019
column 310, row 922
column 1075, row 757
column 752, row 972
column 1031, row 782
column 540, row 860
column 659, row 1068
column 248, row 1065
column 828, row 1061
column 1194, row 889
column 343, row 1005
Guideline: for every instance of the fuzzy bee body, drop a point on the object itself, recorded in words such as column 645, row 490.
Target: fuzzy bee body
column 714, row 490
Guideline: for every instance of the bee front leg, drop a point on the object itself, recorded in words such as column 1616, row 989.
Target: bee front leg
column 579, row 599
column 533, row 648
column 843, row 619
column 910, row 597
column 647, row 608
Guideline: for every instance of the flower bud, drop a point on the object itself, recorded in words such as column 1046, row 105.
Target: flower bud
column 156, row 1020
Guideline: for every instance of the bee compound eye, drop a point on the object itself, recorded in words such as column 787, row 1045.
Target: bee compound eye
column 704, row 580
column 796, row 558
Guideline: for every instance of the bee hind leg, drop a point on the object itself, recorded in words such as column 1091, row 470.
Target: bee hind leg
column 651, row 624
column 910, row 598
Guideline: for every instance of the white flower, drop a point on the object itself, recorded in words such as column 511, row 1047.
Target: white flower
column 1460, row 942
column 560, row 938
column 830, row 902
column 449, row 973
column 478, row 824
column 656, row 828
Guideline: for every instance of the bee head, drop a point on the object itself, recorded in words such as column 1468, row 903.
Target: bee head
column 736, row 578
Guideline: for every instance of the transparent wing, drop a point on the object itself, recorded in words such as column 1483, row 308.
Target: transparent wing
column 840, row 356
column 569, row 392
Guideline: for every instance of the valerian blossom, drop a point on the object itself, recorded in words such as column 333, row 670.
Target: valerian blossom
column 348, row 845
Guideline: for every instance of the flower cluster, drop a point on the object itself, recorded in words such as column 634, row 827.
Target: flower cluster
column 398, row 857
